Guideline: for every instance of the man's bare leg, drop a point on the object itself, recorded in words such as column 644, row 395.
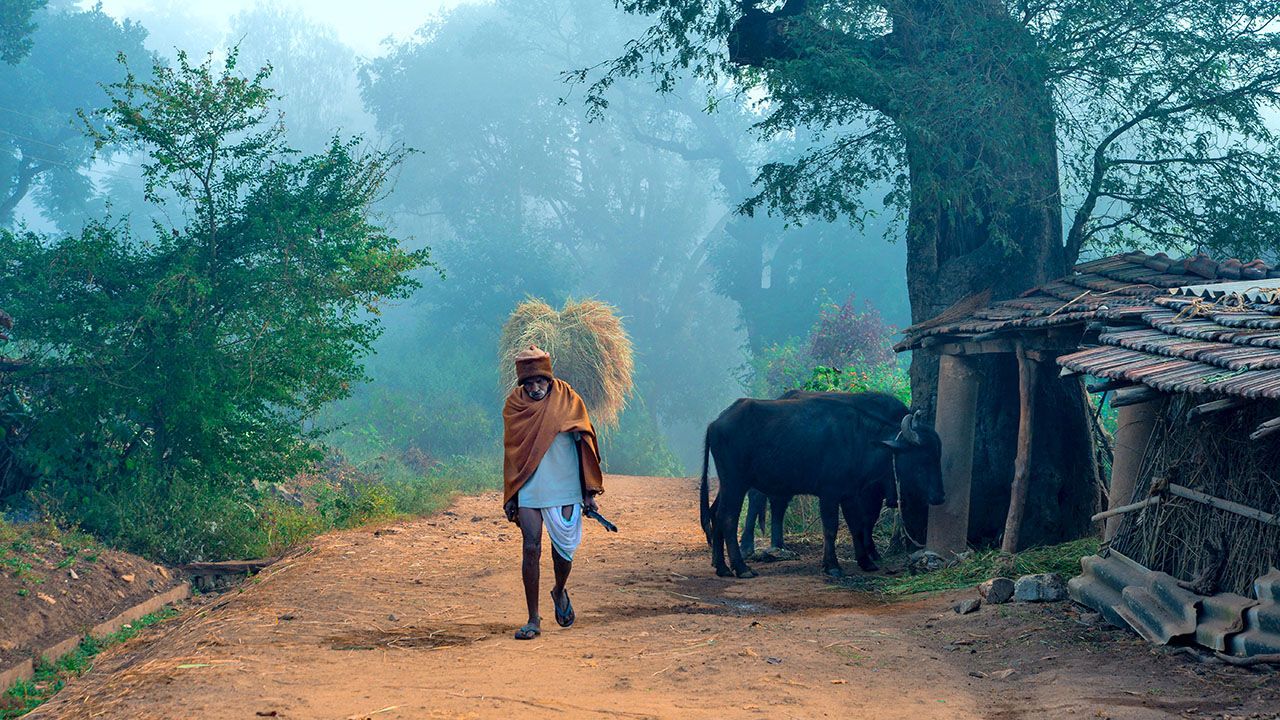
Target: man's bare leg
column 562, row 568
column 531, row 529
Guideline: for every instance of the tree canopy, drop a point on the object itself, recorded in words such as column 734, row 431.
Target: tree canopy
column 1162, row 112
column 196, row 353
column 43, row 153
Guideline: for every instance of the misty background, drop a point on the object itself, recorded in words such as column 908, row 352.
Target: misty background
column 513, row 190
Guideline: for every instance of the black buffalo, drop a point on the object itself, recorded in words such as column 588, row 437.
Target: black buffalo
column 844, row 448
column 876, row 495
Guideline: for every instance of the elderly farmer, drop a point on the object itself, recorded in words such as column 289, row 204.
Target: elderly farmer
column 551, row 471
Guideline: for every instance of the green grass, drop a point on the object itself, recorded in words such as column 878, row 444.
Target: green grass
column 1063, row 559
column 50, row 677
column 23, row 546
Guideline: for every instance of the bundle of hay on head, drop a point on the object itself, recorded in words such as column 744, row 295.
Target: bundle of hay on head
column 588, row 347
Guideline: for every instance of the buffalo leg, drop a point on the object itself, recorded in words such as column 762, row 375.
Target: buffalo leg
column 868, row 526
column 829, row 508
column 778, row 509
column 859, row 531
column 727, row 521
column 755, row 514
column 716, row 538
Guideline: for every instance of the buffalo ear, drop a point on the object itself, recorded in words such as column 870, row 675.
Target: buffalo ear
column 896, row 444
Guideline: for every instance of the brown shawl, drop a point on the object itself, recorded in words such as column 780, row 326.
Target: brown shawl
column 529, row 427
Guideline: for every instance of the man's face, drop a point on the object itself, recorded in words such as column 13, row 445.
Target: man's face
column 537, row 387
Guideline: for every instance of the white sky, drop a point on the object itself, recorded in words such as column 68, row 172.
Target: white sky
column 362, row 24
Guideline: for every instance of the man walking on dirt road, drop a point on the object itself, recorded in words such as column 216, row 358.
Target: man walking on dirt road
column 551, row 471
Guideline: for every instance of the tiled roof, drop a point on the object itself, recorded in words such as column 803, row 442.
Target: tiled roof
column 1189, row 345
column 1122, row 285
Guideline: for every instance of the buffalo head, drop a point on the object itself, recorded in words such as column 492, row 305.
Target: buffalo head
column 918, row 460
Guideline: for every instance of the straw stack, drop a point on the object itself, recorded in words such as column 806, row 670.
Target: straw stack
column 589, row 350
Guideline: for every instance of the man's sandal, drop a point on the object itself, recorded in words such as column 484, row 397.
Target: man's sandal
column 566, row 618
column 528, row 632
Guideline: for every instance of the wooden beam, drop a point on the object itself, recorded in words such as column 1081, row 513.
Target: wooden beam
column 1108, row 385
column 1027, row 369
column 1266, row 429
column 1066, row 372
column 957, row 407
column 977, row 348
column 1230, row 403
column 1048, row 355
column 1135, row 425
column 1134, row 395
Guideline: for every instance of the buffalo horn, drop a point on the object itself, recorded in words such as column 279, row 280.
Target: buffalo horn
column 908, row 432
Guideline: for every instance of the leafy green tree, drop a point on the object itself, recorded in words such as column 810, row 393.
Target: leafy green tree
column 43, row 153
column 196, row 355
column 16, row 26
column 991, row 120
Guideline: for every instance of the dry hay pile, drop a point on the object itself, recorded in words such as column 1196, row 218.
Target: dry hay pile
column 1210, row 549
column 588, row 346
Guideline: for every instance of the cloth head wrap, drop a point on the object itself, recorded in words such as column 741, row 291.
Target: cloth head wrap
column 531, row 363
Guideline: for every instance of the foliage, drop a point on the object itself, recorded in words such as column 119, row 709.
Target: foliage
column 50, row 677
column 589, row 350
column 878, row 378
column 846, row 350
column 845, row 336
column 179, row 368
column 313, row 72
column 24, row 548
column 16, row 27
column 636, row 446
column 1063, row 559
column 1160, row 107
column 42, row 153
column 640, row 216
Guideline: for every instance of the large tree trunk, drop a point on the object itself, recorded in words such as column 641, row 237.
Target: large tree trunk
column 962, row 83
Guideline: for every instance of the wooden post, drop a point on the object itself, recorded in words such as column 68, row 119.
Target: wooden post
column 1134, row 426
column 957, row 406
column 1027, row 369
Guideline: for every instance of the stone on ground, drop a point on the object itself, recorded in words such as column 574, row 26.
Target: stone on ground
column 1042, row 587
column 996, row 591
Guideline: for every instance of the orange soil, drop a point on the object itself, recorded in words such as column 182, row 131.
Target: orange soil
column 414, row 620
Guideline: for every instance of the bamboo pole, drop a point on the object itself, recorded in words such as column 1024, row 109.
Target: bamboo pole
column 1125, row 508
column 1022, row 462
column 1227, row 505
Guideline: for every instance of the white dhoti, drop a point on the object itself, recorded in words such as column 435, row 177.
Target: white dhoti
column 565, row 535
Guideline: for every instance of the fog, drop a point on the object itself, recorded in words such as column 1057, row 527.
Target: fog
column 518, row 194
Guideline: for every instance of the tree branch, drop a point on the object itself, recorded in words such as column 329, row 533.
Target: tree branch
column 28, row 170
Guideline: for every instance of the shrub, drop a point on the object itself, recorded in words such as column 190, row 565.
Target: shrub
column 844, row 336
column 167, row 374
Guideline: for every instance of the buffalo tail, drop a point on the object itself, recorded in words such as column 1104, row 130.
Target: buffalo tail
column 705, row 493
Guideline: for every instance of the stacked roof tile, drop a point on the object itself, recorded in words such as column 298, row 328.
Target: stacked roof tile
column 1122, row 286
column 1188, row 345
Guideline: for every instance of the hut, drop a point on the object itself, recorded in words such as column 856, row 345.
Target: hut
column 1030, row 333
column 1193, row 527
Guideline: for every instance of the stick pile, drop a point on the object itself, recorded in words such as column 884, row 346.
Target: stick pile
column 1208, row 547
column 589, row 349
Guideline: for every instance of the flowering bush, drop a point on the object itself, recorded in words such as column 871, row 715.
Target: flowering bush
column 844, row 336
column 847, row 350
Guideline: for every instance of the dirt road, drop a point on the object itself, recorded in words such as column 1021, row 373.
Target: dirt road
column 415, row 620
